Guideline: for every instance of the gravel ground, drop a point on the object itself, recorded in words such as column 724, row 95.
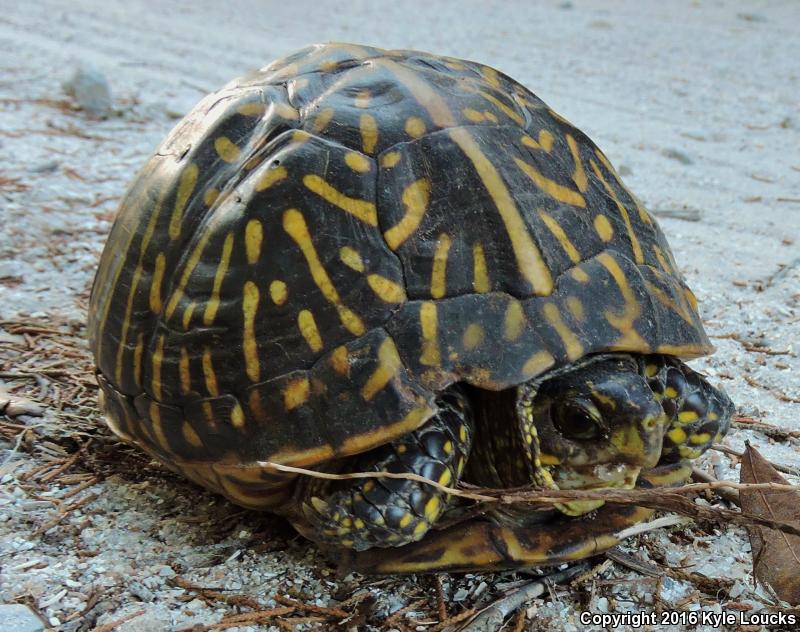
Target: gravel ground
column 695, row 102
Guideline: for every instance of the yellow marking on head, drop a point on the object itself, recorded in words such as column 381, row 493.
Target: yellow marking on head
column 448, row 447
column 250, row 301
column 210, row 196
column 308, row 327
column 402, row 448
column 700, row 438
column 357, row 162
column 295, row 393
column 390, row 159
column 184, row 371
column 537, row 364
column 415, row 126
column 278, row 292
column 222, row 269
column 687, row 416
column 430, row 342
column 237, row 416
column 651, row 370
column 480, row 279
column 575, row 308
column 545, row 142
column 322, row 120
column 429, row 98
column 137, row 359
column 445, row 478
column 529, row 260
column 670, row 392
column 191, row 264
column 351, row 258
column 438, row 274
column 339, row 360
column 369, row 133
column 637, row 249
column 559, row 233
column 358, row 523
column 186, row 185
column 508, row 111
column 713, row 416
column 513, row 321
column 548, row 459
column 603, row 227
column 571, row 343
column 415, row 199
column 368, row 440
column 474, row 115
column 557, row 191
column 578, row 175
column 156, row 359
column 295, row 225
column 270, row 177
column 155, row 285
column 190, row 436
column 462, row 433
column 473, row 336
column 361, row 209
column 226, row 150
column 677, row 436
column 156, row 425
column 389, row 364
column 405, row 520
column 208, row 373
column 253, row 236
column 386, row 289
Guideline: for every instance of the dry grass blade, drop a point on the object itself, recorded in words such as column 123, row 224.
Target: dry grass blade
column 776, row 555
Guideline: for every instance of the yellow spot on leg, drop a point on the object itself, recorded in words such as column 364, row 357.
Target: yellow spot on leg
column 295, row 225
column 438, row 275
column 308, row 327
column 415, row 200
column 222, row 269
column 249, row 345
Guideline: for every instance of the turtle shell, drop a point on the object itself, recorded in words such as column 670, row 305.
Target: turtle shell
column 321, row 246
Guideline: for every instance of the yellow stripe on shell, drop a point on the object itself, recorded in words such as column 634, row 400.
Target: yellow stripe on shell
column 572, row 345
column 508, row 111
column 209, row 375
column 579, row 174
column 361, row 209
column 190, row 436
column 237, row 416
column 156, row 359
column 137, row 359
column 637, row 249
column 227, row 150
column 389, row 364
column 253, row 236
column 545, row 142
column 480, row 278
column 155, row 284
column 557, row 191
column 530, row 262
column 186, row 184
column 415, row 199
column 559, row 233
column 340, row 361
column 250, row 300
column 278, row 292
column 157, row 426
column 270, row 177
column 369, row 133
column 390, row 159
column 630, row 339
column 222, row 269
column 473, row 336
column 386, row 289
column 537, row 364
column 309, row 330
column 362, row 99
column 322, row 120
column 429, row 98
column 430, row 341
column 439, row 271
column 296, row 393
column 351, row 258
column 603, row 227
column 184, row 372
column 191, row 264
column 187, row 315
column 514, row 321
column 643, row 214
column 295, row 225
column 415, row 127
column 357, row 162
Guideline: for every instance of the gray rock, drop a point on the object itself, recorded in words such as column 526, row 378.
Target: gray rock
column 15, row 617
column 91, row 91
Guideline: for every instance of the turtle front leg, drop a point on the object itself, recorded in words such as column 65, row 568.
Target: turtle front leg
column 698, row 413
column 364, row 513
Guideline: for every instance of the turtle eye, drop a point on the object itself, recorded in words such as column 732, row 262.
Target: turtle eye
column 575, row 421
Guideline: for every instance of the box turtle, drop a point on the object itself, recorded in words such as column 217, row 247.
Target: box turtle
column 359, row 260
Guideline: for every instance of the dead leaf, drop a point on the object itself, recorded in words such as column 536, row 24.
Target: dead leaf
column 776, row 554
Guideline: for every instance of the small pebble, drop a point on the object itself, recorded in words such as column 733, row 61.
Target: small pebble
column 91, row 91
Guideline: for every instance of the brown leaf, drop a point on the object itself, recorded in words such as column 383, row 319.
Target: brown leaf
column 776, row 554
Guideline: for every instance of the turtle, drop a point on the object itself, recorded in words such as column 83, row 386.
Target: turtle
column 387, row 261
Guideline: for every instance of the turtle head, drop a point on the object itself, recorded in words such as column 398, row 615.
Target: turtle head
column 595, row 426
